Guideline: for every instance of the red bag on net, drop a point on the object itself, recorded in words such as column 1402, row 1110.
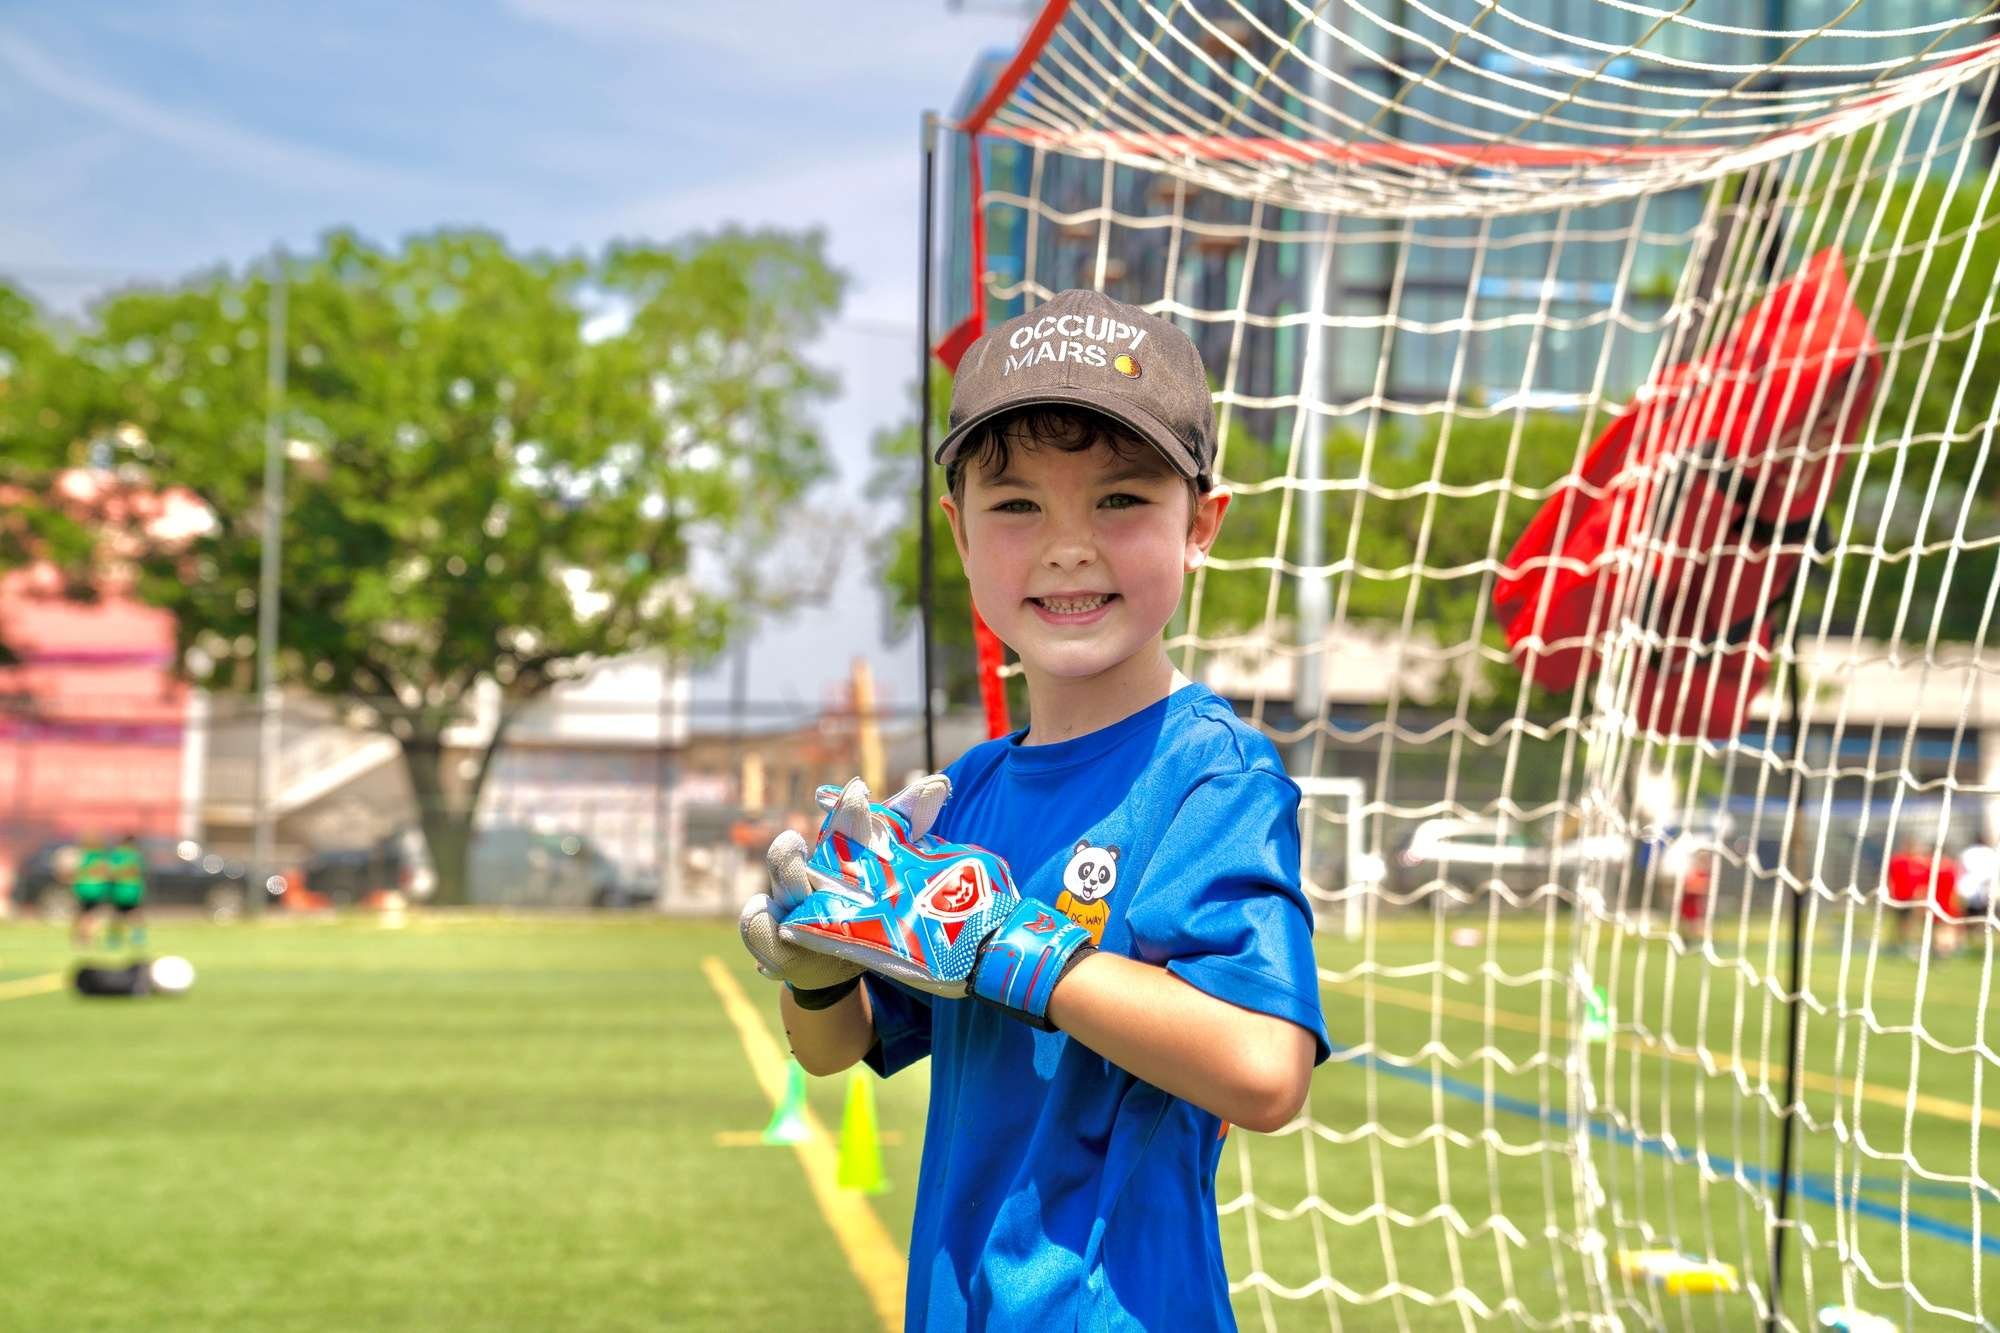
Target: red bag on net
column 1689, row 515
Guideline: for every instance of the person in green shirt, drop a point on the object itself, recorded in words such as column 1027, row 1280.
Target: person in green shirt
column 127, row 866
column 91, row 882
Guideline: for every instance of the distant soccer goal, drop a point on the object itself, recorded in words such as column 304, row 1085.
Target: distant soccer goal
column 1335, row 862
column 1608, row 393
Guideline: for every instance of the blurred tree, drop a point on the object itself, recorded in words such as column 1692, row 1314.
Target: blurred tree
column 1410, row 547
column 1922, row 259
column 1406, row 545
column 895, row 551
column 481, row 490
column 34, row 525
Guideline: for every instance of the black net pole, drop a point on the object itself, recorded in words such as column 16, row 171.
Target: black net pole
column 928, row 139
column 1789, row 1116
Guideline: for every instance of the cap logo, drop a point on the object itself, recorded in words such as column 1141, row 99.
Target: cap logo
column 1090, row 340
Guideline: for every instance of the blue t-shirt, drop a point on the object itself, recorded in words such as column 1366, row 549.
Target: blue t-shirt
column 1057, row 1190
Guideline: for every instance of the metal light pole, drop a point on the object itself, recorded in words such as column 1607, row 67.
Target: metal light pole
column 1317, row 384
column 268, row 719
column 668, row 825
column 925, row 557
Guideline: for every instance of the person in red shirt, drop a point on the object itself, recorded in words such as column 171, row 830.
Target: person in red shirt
column 1914, row 878
column 1946, row 910
column 1909, row 878
column 1695, row 884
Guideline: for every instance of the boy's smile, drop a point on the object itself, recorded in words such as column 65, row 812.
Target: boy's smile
column 1073, row 608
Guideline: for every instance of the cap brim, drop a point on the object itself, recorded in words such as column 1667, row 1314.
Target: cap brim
column 1140, row 423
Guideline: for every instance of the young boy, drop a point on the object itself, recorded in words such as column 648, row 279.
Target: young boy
column 1068, row 1177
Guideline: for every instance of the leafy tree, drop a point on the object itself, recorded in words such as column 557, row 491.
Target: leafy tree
column 896, row 551
column 1909, row 239
column 1434, row 509
column 489, row 493
column 33, row 525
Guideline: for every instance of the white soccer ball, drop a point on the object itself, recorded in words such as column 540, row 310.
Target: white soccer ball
column 172, row 974
column 1467, row 937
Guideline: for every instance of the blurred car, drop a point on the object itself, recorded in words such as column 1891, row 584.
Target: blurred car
column 398, row 860
column 180, row 872
column 1470, row 855
column 406, row 862
column 343, row 875
column 508, row 865
column 517, row 866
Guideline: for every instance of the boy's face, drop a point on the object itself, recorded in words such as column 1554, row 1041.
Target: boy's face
column 1076, row 560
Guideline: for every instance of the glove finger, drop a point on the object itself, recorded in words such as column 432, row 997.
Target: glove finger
column 853, row 819
column 759, row 927
column 783, row 961
column 815, row 971
column 787, row 862
column 795, row 876
column 920, row 802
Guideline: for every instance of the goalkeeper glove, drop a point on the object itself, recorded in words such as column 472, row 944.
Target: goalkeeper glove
column 938, row 916
column 819, row 980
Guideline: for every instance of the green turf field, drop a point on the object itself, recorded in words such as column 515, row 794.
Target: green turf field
column 478, row 1124
column 495, row 1123
column 1448, row 1071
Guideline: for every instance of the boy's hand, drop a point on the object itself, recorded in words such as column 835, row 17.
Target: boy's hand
column 938, row 916
column 794, row 879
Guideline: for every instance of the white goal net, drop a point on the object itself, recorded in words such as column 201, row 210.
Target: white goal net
column 1608, row 392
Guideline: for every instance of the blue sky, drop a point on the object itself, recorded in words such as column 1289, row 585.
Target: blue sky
column 154, row 140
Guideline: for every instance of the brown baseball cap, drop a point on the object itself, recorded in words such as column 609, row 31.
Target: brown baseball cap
column 1082, row 349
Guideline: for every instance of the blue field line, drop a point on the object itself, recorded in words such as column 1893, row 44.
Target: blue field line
column 1930, row 1189
column 1809, row 1186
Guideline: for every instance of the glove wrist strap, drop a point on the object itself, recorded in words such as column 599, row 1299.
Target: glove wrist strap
column 1024, row 958
column 823, row 997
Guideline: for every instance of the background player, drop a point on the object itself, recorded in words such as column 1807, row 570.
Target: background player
column 91, row 883
column 126, row 871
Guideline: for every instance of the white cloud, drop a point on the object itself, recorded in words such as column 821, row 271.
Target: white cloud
column 246, row 150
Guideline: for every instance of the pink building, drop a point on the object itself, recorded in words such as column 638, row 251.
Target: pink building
column 92, row 720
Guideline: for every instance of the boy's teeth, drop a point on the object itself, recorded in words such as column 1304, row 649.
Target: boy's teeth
column 1075, row 606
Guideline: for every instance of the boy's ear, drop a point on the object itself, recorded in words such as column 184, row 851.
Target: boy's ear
column 1208, row 512
column 950, row 507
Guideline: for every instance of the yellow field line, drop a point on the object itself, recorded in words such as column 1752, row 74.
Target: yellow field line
column 877, row 1261
column 23, row 987
column 1942, row 1107
column 754, row 1138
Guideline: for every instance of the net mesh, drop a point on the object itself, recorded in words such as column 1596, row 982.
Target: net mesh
column 1607, row 392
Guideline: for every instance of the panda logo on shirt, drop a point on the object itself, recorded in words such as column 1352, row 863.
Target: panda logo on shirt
column 1088, row 879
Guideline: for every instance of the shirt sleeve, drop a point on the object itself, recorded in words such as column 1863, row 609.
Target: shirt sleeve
column 902, row 1025
column 1221, row 908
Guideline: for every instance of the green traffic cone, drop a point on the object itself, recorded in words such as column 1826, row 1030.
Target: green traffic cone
column 860, row 1145
column 788, row 1121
